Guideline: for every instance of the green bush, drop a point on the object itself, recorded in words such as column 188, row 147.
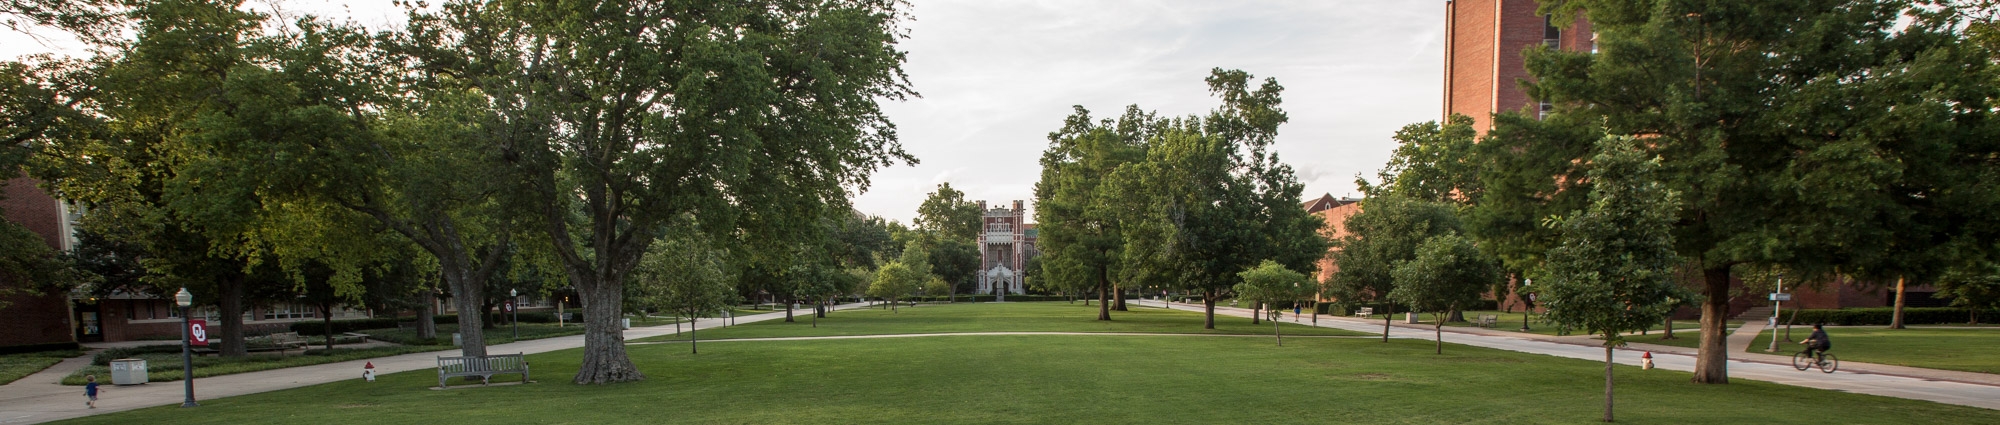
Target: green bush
column 1881, row 316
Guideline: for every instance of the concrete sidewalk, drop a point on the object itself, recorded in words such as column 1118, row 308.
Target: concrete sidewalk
column 1950, row 387
column 39, row 398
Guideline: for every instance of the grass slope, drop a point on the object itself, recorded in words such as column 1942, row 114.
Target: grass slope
column 13, row 367
column 1001, row 317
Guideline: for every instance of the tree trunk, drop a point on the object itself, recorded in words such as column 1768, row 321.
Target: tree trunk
column 231, row 309
column 1255, row 310
column 1208, row 302
column 1119, row 302
column 1389, row 314
column 604, row 359
column 326, row 312
column 1607, row 380
column 1103, row 294
column 788, row 309
column 427, row 327
column 1277, row 332
column 1439, row 330
column 1896, row 320
column 692, row 339
column 486, row 316
column 468, row 293
column 1789, row 322
column 1670, row 327
column 1711, row 364
column 1457, row 316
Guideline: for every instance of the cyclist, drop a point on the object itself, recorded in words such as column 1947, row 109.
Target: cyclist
column 1817, row 344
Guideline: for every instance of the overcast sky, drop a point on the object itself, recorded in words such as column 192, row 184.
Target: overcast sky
column 997, row 76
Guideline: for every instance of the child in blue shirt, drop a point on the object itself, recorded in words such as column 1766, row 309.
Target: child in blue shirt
column 90, row 389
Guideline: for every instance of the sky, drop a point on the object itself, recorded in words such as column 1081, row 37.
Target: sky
column 996, row 76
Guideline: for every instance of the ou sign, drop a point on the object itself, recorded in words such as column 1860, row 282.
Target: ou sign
column 198, row 332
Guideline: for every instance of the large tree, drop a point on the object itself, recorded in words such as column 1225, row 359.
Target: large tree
column 1775, row 120
column 948, row 215
column 1218, row 200
column 1081, row 236
column 750, row 116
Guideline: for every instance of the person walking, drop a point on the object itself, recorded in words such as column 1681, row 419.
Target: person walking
column 90, row 390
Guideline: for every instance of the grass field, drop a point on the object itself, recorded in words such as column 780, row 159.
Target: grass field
column 1970, row 349
column 1066, row 379
column 1000, row 317
column 13, row 367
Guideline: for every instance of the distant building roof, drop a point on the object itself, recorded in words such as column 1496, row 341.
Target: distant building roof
column 1326, row 202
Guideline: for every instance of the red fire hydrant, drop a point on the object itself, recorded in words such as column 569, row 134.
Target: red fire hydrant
column 1646, row 361
column 368, row 371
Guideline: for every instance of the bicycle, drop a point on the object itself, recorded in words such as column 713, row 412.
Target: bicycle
column 1804, row 360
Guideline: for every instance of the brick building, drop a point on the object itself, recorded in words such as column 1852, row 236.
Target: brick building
column 1483, row 65
column 1335, row 212
column 1006, row 242
column 45, row 318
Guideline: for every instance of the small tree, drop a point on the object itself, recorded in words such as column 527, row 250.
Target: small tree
column 1448, row 275
column 1975, row 288
column 893, row 282
column 684, row 273
column 1613, row 272
column 1270, row 283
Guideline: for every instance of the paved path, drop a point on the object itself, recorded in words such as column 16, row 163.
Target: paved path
column 38, row 398
column 1950, row 387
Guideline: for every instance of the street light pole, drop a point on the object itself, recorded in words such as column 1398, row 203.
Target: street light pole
column 514, row 306
column 1776, row 307
column 185, row 299
column 1527, row 306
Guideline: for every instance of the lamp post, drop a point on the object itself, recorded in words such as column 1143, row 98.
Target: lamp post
column 185, row 299
column 1777, row 306
column 1529, row 306
column 514, row 306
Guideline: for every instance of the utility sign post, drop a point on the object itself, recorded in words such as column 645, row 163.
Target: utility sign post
column 1779, row 296
column 198, row 333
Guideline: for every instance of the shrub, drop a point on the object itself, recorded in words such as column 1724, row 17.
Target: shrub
column 1881, row 316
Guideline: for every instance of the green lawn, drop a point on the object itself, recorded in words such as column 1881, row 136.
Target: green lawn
column 163, row 362
column 1512, row 322
column 1053, row 316
column 13, row 367
column 1065, row 379
column 1969, row 349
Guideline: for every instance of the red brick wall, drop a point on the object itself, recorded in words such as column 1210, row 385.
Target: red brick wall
column 1483, row 62
column 35, row 319
column 1336, row 228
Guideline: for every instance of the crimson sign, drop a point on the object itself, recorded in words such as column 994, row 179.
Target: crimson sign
column 198, row 332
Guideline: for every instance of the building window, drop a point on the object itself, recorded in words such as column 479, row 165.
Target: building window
column 1551, row 36
column 1545, row 109
column 290, row 311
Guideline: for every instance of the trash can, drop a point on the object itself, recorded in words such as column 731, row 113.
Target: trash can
column 128, row 371
column 628, row 322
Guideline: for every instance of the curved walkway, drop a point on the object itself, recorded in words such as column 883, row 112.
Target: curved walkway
column 1853, row 377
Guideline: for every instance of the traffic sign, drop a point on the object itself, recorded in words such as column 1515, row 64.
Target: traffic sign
column 1780, row 296
column 198, row 333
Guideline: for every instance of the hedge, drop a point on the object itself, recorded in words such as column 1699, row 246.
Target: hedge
column 1881, row 316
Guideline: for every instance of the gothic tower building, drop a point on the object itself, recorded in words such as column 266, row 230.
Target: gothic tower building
column 1006, row 242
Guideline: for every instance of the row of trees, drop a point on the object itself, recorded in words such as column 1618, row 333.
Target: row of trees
column 1703, row 143
column 1145, row 202
column 495, row 137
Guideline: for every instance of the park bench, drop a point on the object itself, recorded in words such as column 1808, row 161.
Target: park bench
column 1365, row 311
column 483, row 367
column 280, row 342
column 1486, row 320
